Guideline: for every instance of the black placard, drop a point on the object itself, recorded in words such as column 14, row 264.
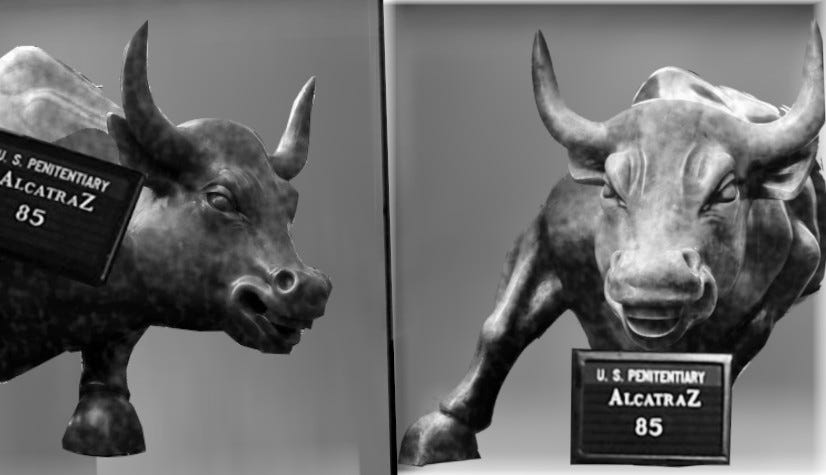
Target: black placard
column 650, row 408
column 62, row 210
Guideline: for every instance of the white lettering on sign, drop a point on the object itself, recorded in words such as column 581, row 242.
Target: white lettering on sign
column 666, row 376
column 689, row 398
column 33, row 217
column 67, row 174
column 83, row 201
column 652, row 427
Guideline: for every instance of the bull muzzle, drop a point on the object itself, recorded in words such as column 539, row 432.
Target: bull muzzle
column 659, row 296
column 284, row 303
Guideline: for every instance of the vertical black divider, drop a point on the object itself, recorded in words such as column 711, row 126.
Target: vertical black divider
column 388, row 252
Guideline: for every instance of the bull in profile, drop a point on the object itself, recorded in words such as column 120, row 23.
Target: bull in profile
column 690, row 222
column 208, row 247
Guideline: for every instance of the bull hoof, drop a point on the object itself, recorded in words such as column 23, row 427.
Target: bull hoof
column 104, row 425
column 435, row 438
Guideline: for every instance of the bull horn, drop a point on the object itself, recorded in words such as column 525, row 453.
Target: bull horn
column 291, row 154
column 773, row 141
column 152, row 130
column 571, row 130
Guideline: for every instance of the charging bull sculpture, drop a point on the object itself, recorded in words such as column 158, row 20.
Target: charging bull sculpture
column 704, row 227
column 208, row 247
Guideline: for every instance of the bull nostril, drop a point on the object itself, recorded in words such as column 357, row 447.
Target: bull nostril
column 284, row 280
column 692, row 259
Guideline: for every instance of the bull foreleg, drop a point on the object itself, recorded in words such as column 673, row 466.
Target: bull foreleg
column 803, row 261
column 528, row 301
column 105, row 423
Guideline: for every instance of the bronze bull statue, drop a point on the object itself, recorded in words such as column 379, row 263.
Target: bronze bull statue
column 208, row 247
column 690, row 222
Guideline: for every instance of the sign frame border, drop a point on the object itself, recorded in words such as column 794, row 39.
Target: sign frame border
column 581, row 356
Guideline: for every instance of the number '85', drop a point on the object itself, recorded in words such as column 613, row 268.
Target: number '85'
column 652, row 427
column 33, row 217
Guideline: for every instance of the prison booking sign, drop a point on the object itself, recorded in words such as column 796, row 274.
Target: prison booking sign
column 62, row 210
column 650, row 408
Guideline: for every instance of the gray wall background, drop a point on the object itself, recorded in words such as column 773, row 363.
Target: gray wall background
column 473, row 164
column 208, row 405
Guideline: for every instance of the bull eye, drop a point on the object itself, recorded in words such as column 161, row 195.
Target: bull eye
column 292, row 206
column 291, row 213
column 220, row 202
column 726, row 192
column 221, row 199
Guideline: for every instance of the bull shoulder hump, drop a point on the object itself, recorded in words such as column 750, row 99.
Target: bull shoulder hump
column 46, row 98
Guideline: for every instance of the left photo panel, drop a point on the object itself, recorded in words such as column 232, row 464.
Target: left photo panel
column 192, row 239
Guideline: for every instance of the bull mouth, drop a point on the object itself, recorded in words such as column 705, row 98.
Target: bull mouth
column 268, row 333
column 279, row 327
column 657, row 326
column 653, row 322
column 257, row 325
column 282, row 329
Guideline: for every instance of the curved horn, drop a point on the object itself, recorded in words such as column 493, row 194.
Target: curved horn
column 152, row 130
column 571, row 130
column 779, row 139
column 291, row 154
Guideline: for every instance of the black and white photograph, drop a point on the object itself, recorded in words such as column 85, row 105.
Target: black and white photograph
column 245, row 304
column 411, row 236
column 605, row 177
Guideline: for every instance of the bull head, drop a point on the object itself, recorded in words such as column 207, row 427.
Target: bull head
column 679, row 173
column 214, row 243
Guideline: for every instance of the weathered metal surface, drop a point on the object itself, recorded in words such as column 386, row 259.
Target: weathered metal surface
column 704, row 228
column 208, row 248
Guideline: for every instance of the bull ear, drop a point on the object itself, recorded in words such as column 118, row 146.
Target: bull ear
column 785, row 182
column 132, row 155
column 586, row 169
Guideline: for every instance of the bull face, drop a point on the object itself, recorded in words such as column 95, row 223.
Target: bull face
column 678, row 173
column 213, row 238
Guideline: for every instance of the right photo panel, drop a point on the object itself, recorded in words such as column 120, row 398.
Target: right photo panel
column 639, row 181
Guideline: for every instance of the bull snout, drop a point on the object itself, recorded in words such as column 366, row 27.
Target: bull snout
column 659, row 295
column 283, row 302
column 293, row 293
column 304, row 291
column 661, row 279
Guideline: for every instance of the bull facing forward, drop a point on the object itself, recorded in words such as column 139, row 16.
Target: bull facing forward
column 208, row 247
column 690, row 222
